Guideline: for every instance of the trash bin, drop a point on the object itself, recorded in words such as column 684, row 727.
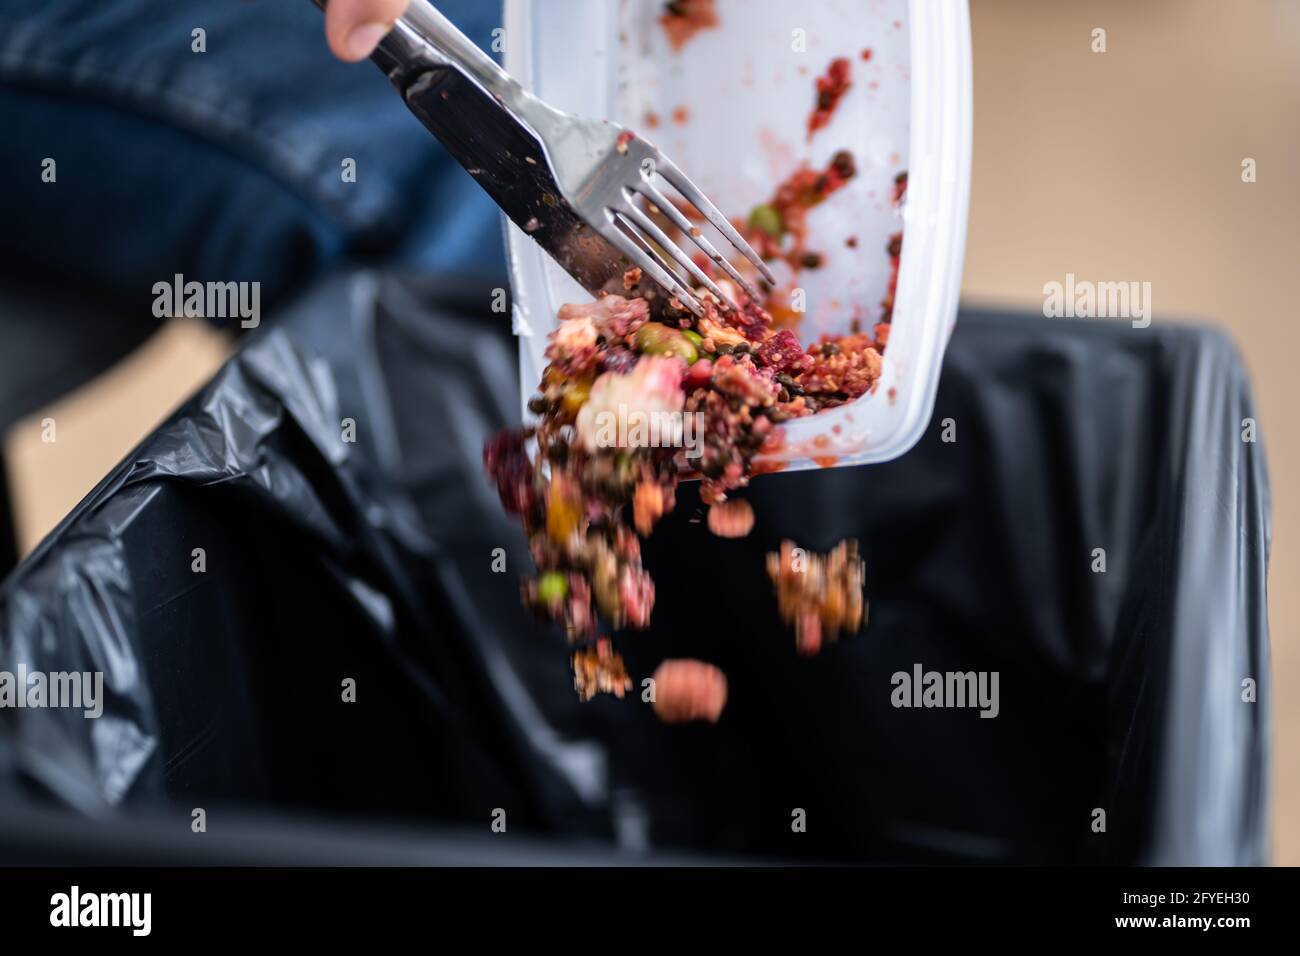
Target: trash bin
column 290, row 590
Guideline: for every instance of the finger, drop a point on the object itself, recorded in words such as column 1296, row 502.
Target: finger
column 355, row 27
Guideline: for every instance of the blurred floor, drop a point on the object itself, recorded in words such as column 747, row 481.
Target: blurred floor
column 99, row 423
column 1117, row 166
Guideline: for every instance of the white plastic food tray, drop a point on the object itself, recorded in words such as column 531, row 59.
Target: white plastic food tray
column 732, row 110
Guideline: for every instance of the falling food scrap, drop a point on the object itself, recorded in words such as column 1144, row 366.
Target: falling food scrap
column 648, row 505
column 731, row 519
column 598, row 670
column 821, row 595
column 688, row 690
column 682, row 19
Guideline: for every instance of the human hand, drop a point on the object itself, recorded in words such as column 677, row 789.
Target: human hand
column 355, row 27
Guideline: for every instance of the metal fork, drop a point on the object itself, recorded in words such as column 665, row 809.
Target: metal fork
column 573, row 184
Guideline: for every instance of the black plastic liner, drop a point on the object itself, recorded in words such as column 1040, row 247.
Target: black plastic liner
column 328, row 559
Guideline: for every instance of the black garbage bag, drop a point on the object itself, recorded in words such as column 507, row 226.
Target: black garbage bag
column 315, row 523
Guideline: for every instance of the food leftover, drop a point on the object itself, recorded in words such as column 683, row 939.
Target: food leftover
column 640, row 393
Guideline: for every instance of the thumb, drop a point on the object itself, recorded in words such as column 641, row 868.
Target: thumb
column 355, row 27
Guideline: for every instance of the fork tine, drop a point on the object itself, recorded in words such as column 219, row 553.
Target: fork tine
column 658, row 235
column 641, row 255
column 677, row 179
column 664, row 204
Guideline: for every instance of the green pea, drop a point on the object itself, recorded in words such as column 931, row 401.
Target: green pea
column 767, row 219
column 552, row 586
column 654, row 338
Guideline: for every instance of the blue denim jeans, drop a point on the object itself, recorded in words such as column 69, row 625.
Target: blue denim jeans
column 224, row 165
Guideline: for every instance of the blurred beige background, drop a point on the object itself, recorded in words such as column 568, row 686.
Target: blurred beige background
column 1117, row 166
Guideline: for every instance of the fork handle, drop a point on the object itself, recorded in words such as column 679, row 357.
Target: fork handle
column 423, row 34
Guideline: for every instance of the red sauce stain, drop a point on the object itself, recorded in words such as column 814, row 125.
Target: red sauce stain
column 873, row 85
column 900, row 187
column 829, row 461
column 652, row 120
column 851, row 242
column 892, row 395
column 836, row 429
column 866, row 54
column 684, row 19
column 769, row 467
column 792, row 199
column 821, row 441
column 773, row 444
column 777, row 152
column 898, row 24
column 681, row 115
column 830, row 89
